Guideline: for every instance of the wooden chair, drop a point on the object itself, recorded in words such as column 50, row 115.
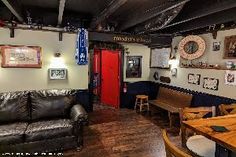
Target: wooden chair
column 197, row 144
column 171, row 149
column 227, row 109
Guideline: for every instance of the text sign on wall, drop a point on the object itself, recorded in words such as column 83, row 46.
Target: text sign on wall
column 109, row 37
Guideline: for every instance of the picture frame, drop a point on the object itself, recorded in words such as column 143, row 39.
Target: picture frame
column 230, row 77
column 133, row 66
column 216, row 46
column 15, row 56
column 159, row 58
column 194, row 79
column 57, row 74
column 210, row 83
column 230, row 47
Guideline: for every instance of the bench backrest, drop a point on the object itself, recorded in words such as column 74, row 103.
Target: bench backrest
column 174, row 97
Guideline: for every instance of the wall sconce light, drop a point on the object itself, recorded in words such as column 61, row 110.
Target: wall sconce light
column 57, row 61
column 57, row 54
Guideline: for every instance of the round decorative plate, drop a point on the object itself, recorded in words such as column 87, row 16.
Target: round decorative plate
column 192, row 47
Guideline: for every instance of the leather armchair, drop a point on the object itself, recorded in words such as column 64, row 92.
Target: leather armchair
column 79, row 117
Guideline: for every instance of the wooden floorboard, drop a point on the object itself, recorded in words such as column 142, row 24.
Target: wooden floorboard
column 124, row 133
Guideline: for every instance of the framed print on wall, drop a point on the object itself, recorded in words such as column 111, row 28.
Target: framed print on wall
column 230, row 47
column 134, row 67
column 210, row 83
column 230, row 78
column 160, row 58
column 194, row 79
column 21, row 56
column 57, row 74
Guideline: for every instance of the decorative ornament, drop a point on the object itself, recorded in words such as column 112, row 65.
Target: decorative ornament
column 156, row 76
column 173, row 72
column 192, row 47
column 81, row 55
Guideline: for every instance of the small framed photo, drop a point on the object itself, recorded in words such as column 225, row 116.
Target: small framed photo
column 210, row 83
column 194, row 79
column 216, row 46
column 230, row 78
column 230, row 47
column 57, row 74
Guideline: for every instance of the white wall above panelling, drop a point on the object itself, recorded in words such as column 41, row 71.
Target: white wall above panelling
column 12, row 79
column 211, row 57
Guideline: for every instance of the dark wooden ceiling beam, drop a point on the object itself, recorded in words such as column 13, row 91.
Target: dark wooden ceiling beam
column 113, row 6
column 158, row 22
column 147, row 15
column 61, row 11
column 14, row 8
column 205, row 11
column 217, row 18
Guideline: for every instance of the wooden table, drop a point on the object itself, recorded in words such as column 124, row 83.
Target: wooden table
column 225, row 139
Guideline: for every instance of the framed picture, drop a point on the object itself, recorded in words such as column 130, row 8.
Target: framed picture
column 194, row 79
column 21, row 56
column 160, row 58
column 210, row 83
column 57, row 74
column 230, row 47
column 230, row 78
column 134, row 67
column 216, row 46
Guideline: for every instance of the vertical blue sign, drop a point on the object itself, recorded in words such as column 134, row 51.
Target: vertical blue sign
column 81, row 55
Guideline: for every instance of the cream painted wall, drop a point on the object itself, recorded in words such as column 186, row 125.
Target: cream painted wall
column 138, row 50
column 12, row 79
column 211, row 57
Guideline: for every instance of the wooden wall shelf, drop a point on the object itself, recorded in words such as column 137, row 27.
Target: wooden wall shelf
column 221, row 68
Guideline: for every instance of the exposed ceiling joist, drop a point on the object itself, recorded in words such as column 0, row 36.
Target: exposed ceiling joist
column 159, row 21
column 14, row 8
column 217, row 18
column 61, row 11
column 113, row 6
column 205, row 11
column 144, row 16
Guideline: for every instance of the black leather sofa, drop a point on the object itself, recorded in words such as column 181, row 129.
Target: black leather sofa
column 40, row 121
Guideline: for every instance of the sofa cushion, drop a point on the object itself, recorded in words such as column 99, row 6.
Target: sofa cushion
column 12, row 133
column 14, row 107
column 48, row 130
column 51, row 104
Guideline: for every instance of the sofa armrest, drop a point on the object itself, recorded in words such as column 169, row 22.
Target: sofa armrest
column 78, row 114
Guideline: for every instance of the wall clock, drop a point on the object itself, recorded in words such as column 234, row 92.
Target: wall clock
column 192, row 47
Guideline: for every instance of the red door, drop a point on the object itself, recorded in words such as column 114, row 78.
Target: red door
column 110, row 85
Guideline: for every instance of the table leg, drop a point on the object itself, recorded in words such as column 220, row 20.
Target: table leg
column 183, row 135
column 170, row 119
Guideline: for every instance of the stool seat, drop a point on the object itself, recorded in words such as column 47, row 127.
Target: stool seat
column 142, row 96
column 141, row 101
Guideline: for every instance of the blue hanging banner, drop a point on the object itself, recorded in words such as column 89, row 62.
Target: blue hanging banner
column 81, row 55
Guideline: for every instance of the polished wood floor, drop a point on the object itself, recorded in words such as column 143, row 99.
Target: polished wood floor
column 124, row 133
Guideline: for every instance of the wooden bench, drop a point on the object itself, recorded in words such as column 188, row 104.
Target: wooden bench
column 171, row 100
